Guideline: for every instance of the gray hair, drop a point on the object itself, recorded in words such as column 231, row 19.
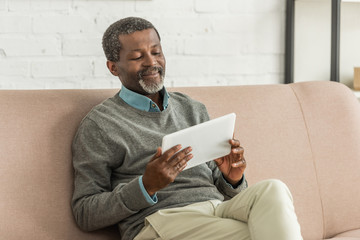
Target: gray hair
column 110, row 42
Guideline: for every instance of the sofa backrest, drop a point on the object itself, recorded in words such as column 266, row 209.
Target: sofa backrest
column 306, row 134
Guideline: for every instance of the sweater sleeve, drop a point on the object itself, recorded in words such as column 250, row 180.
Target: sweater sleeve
column 223, row 186
column 95, row 203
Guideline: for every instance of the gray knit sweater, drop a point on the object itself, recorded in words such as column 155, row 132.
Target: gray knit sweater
column 110, row 151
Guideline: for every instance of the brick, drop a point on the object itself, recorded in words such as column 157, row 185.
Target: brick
column 3, row 5
column 247, row 64
column 101, row 83
column 259, row 79
column 62, row 83
column 213, row 45
column 176, row 81
column 52, row 5
column 32, row 83
column 176, row 26
column 188, row 66
column 10, row 23
column 269, row 34
column 172, row 45
column 164, row 6
column 82, row 45
column 62, row 24
column 2, row 53
column 29, row 45
column 173, row 81
column 100, row 68
column 235, row 65
column 22, row 5
column 258, row 6
column 15, row 82
column 102, row 14
column 14, row 67
column 234, row 24
column 260, row 33
column 103, row 9
column 39, row 5
column 233, row 80
column 209, row 6
column 62, row 68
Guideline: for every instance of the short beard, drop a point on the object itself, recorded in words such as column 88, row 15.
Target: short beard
column 152, row 88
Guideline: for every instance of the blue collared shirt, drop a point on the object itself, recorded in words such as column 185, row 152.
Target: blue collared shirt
column 143, row 103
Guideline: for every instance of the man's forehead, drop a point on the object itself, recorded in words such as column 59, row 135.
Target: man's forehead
column 139, row 39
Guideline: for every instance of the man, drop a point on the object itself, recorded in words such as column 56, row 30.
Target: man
column 123, row 177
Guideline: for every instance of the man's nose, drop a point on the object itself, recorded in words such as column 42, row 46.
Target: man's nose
column 149, row 60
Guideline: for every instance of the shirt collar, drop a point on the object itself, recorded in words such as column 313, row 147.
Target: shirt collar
column 141, row 102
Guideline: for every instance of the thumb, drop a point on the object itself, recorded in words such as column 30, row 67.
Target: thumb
column 157, row 154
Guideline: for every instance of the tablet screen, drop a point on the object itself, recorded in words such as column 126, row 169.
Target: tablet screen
column 209, row 140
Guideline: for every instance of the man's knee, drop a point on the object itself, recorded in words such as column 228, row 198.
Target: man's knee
column 276, row 190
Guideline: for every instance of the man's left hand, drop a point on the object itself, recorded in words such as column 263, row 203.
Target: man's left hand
column 233, row 165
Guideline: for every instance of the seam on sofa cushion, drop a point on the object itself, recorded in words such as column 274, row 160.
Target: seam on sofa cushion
column 312, row 154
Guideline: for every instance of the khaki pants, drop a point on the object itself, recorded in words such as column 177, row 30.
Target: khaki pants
column 264, row 211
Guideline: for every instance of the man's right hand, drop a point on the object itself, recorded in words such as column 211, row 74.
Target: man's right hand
column 162, row 169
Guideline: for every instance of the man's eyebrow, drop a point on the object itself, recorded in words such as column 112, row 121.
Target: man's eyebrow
column 136, row 50
column 139, row 49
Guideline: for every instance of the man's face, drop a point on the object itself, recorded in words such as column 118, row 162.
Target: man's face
column 141, row 67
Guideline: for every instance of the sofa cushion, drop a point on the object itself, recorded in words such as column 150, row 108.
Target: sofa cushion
column 332, row 115
column 349, row 235
column 36, row 177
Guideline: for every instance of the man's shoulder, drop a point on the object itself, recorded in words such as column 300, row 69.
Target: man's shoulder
column 108, row 107
column 189, row 107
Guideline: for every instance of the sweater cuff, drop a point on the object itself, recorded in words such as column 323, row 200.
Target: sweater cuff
column 229, row 190
column 150, row 199
column 133, row 197
column 237, row 185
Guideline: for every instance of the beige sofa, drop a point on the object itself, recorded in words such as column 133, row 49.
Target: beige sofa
column 306, row 134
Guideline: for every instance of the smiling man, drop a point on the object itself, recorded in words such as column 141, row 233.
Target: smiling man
column 123, row 178
column 143, row 60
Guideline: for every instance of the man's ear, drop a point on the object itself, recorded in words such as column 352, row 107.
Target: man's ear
column 112, row 68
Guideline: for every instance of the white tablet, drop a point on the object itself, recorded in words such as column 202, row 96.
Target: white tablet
column 209, row 140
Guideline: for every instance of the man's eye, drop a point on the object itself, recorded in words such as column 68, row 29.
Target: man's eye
column 136, row 58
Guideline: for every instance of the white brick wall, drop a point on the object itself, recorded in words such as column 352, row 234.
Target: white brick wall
column 57, row 43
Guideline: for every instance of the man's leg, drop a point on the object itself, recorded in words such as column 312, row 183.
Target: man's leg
column 268, row 209
column 147, row 233
column 196, row 221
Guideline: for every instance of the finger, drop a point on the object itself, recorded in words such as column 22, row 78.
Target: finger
column 234, row 143
column 183, row 167
column 183, row 163
column 238, row 150
column 157, row 154
column 240, row 163
column 170, row 152
column 180, row 156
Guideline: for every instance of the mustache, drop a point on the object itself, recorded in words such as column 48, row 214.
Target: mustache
column 150, row 70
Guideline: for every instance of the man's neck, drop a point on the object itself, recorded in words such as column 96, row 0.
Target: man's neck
column 158, row 99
